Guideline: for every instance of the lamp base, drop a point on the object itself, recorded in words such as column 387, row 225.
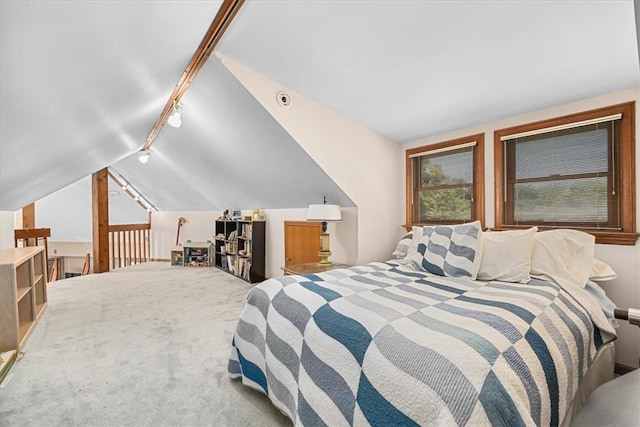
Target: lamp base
column 324, row 253
column 324, row 258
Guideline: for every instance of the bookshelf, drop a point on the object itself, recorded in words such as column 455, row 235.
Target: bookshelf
column 240, row 249
column 23, row 294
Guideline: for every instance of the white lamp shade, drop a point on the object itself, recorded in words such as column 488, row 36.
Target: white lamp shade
column 174, row 119
column 144, row 157
column 324, row 213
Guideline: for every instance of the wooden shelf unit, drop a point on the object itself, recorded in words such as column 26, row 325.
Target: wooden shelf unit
column 193, row 254
column 23, row 294
column 240, row 248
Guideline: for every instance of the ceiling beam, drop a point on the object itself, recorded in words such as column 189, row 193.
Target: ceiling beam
column 132, row 192
column 100, row 220
column 221, row 22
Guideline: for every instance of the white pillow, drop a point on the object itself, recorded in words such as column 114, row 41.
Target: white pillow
column 506, row 255
column 601, row 271
column 563, row 255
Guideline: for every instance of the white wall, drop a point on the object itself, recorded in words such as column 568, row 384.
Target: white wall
column 625, row 260
column 200, row 227
column 73, row 253
column 359, row 160
column 6, row 229
column 342, row 237
column 67, row 212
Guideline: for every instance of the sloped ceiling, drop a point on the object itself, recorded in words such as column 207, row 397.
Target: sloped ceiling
column 408, row 69
column 228, row 153
column 82, row 84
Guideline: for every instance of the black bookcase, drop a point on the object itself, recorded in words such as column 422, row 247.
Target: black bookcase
column 240, row 249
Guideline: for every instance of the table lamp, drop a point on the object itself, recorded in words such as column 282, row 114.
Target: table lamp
column 324, row 213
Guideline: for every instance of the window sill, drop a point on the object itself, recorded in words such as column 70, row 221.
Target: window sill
column 602, row 237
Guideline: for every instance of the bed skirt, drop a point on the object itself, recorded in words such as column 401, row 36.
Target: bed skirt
column 600, row 372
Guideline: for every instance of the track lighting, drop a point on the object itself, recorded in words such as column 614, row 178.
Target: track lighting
column 144, row 157
column 175, row 119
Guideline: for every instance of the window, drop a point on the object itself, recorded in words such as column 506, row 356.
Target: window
column 445, row 182
column 575, row 171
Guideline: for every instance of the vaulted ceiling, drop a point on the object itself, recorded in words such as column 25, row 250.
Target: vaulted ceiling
column 82, row 84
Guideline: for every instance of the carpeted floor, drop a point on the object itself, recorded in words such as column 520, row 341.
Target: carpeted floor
column 145, row 345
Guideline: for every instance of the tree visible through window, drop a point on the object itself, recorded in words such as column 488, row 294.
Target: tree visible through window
column 442, row 182
column 445, row 184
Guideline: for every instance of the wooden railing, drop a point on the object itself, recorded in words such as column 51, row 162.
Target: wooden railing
column 129, row 244
column 32, row 237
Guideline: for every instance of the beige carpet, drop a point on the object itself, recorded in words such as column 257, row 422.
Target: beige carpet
column 145, row 345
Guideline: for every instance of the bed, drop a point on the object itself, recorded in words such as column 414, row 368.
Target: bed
column 407, row 342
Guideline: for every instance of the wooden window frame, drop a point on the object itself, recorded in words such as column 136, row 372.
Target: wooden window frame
column 477, row 208
column 627, row 188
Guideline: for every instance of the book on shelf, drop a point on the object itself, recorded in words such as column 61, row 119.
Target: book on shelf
column 232, row 248
column 247, row 231
column 235, row 252
column 231, row 263
column 244, row 268
column 247, row 270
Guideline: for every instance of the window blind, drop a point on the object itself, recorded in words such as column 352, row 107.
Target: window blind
column 564, row 175
column 562, row 127
column 442, row 150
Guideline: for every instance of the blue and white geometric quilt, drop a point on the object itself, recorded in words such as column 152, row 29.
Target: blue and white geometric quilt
column 383, row 344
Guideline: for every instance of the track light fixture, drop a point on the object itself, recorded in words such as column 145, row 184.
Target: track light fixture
column 144, row 157
column 175, row 118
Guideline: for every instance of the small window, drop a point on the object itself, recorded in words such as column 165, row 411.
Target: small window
column 445, row 182
column 571, row 172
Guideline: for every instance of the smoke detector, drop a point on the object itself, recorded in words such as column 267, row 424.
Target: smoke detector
column 283, row 99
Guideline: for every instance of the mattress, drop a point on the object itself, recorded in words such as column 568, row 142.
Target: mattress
column 383, row 344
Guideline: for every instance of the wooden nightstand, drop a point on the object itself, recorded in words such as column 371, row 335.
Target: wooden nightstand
column 311, row 268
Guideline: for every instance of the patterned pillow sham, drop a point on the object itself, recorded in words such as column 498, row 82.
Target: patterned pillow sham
column 450, row 250
column 403, row 246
